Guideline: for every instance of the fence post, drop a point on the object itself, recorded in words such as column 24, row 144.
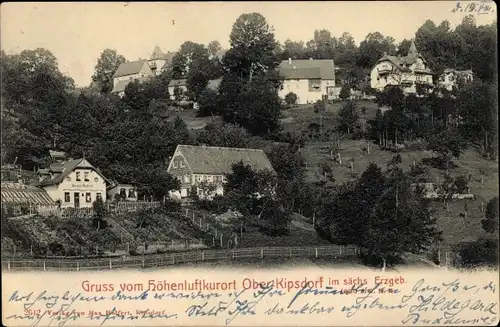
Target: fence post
column 316, row 251
column 262, row 253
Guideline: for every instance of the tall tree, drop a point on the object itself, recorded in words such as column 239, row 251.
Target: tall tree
column 107, row 64
column 373, row 47
column 253, row 47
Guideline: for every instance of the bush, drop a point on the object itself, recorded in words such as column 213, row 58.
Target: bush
column 291, row 99
column 483, row 252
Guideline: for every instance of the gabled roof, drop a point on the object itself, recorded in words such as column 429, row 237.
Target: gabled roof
column 130, row 68
column 307, row 69
column 219, row 160
column 459, row 72
column 62, row 170
column 177, row 82
column 402, row 62
column 18, row 193
column 157, row 54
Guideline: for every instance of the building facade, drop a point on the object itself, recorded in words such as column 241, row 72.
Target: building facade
column 311, row 80
column 74, row 183
column 204, row 167
column 451, row 78
column 128, row 72
column 180, row 84
column 407, row 72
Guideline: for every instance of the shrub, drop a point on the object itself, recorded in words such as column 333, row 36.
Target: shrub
column 291, row 99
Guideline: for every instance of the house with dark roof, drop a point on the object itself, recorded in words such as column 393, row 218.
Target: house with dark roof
column 310, row 80
column 74, row 183
column 128, row 72
column 450, row 78
column 406, row 72
column 194, row 165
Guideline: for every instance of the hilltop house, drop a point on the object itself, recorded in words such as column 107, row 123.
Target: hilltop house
column 406, row 72
column 74, row 183
column 193, row 165
column 451, row 77
column 129, row 71
column 310, row 80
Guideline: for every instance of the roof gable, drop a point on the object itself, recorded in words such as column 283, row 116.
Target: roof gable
column 219, row 160
column 64, row 169
column 130, row 68
column 307, row 69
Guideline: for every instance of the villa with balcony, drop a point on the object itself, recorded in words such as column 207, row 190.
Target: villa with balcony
column 408, row 72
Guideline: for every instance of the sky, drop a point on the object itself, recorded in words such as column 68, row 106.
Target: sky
column 77, row 33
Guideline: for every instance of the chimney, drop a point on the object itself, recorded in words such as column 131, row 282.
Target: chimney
column 289, row 61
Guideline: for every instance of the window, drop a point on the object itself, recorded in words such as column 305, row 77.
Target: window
column 86, row 176
column 131, row 193
column 88, row 198
column 78, row 179
column 67, row 197
column 98, row 196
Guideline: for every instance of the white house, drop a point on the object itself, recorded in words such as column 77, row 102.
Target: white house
column 310, row 80
column 194, row 165
column 75, row 183
column 404, row 71
column 451, row 77
column 128, row 72
column 180, row 84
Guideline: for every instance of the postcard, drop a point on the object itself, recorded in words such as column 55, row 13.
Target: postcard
column 249, row 163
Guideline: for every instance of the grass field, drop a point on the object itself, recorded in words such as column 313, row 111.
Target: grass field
column 456, row 226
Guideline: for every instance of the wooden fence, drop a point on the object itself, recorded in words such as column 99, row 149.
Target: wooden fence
column 178, row 258
column 54, row 210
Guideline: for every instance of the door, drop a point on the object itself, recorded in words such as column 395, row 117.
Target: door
column 77, row 199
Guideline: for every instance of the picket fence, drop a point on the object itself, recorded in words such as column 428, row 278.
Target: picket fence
column 161, row 260
column 54, row 210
